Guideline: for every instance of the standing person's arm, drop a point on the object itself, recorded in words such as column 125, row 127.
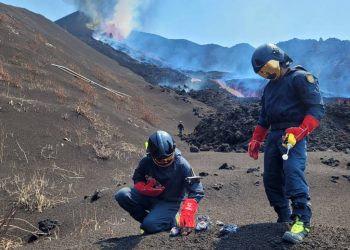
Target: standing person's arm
column 308, row 89
column 259, row 133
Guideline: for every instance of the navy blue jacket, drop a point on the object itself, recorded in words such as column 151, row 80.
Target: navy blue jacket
column 172, row 178
column 286, row 101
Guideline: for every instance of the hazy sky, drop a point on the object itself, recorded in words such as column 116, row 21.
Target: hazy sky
column 228, row 22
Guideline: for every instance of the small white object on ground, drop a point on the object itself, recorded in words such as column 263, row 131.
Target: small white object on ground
column 175, row 231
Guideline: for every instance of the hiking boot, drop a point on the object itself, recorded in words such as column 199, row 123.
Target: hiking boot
column 175, row 230
column 297, row 233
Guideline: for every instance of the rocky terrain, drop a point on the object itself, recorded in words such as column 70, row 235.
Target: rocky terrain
column 231, row 126
column 67, row 145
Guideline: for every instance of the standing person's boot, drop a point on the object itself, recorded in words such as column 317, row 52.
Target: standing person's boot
column 297, row 232
column 301, row 220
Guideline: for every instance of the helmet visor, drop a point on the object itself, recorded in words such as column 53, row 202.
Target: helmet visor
column 271, row 70
column 164, row 161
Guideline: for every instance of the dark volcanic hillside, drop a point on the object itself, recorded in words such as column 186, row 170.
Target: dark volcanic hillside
column 61, row 138
column 76, row 25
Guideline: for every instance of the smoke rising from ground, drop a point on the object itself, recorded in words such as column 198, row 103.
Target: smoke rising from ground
column 116, row 17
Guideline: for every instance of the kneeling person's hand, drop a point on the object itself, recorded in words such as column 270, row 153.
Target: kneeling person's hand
column 187, row 213
column 151, row 188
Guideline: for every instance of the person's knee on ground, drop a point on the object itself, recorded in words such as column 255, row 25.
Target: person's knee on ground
column 127, row 200
column 122, row 195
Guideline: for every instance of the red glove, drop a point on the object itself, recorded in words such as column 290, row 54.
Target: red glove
column 308, row 125
column 257, row 138
column 149, row 189
column 187, row 212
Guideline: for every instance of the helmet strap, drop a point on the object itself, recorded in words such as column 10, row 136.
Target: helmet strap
column 284, row 70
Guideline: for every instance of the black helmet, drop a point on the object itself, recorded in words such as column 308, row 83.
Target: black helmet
column 267, row 59
column 161, row 147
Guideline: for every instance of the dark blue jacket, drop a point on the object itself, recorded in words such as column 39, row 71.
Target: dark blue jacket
column 172, row 178
column 286, row 101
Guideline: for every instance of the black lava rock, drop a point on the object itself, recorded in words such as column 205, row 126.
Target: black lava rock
column 252, row 170
column 227, row 167
column 347, row 177
column 203, row 174
column 205, row 148
column 95, row 196
column 194, row 149
column 331, row 162
column 334, row 179
column 223, row 148
column 47, row 225
column 218, row 186
column 234, row 119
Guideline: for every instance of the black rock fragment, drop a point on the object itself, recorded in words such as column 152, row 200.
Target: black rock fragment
column 347, row 177
column 334, row 179
column 218, row 186
column 194, row 149
column 331, row 162
column 252, row 170
column 203, row 174
column 47, row 225
column 227, row 167
column 95, row 196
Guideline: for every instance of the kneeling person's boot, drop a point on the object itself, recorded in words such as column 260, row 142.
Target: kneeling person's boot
column 297, row 233
column 175, row 230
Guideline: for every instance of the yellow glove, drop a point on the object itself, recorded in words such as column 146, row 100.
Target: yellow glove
column 289, row 141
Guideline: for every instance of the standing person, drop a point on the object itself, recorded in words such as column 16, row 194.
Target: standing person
column 160, row 184
column 291, row 103
column 181, row 128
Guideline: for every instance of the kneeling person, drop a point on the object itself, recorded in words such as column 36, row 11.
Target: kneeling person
column 160, row 185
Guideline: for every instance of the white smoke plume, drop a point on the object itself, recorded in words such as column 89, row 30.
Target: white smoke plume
column 116, row 17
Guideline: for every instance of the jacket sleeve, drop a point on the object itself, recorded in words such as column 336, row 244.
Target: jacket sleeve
column 263, row 121
column 140, row 171
column 309, row 92
column 194, row 187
